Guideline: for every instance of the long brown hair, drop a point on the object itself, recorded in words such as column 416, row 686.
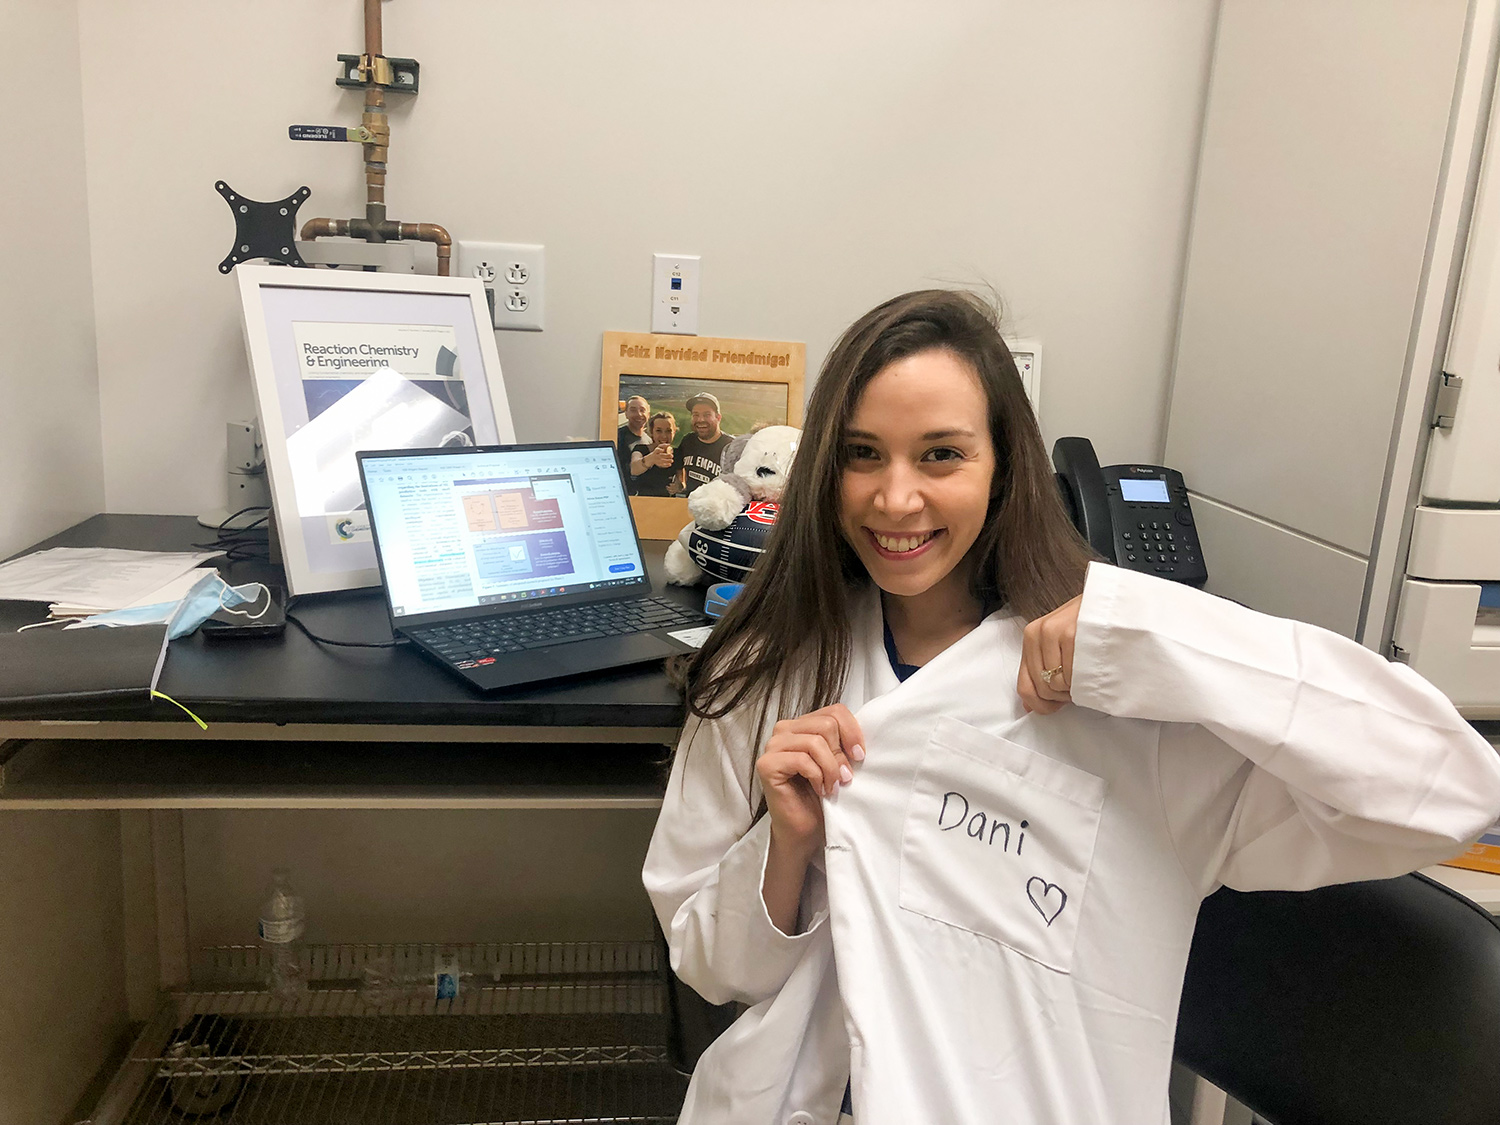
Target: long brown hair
column 788, row 635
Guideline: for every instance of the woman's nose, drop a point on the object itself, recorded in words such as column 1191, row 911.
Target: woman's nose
column 899, row 493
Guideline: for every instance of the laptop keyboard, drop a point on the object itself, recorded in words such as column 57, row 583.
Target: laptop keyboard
column 463, row 641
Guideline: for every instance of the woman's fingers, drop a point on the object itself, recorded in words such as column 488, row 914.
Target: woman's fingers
column 1045, row 680
column 819, row 748
column 1031, row 699
column 829, row 761
column 1050, row 647
column 1068, row 640
column 1040, row 656
column 835, row 724
column 851, row 739
column 807, row 755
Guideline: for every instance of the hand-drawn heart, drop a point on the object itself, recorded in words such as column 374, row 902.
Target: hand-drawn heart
column 1036, row 887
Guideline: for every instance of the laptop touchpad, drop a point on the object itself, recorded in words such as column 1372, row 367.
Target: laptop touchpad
column 608, row 652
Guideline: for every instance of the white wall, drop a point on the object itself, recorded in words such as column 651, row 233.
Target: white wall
column 51, row 469
column 819, row 156
column 62, row 1004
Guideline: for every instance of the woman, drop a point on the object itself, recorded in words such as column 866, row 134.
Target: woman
column 653, row 472
column 996, row 777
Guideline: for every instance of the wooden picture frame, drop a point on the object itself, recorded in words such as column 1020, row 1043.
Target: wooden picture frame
column 676, row 367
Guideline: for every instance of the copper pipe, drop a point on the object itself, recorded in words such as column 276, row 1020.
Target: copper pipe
column 376, row 152
column 375, row 227
column 385, row 232
column 324, row 228
column 373, row 45
column 430, row 232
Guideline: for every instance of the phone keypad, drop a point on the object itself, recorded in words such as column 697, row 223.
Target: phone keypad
column 1165, row 545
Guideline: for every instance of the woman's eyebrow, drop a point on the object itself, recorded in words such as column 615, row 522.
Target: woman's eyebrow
column 939, row 435
column 931, row 435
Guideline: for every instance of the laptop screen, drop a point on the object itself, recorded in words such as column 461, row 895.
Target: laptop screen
column 461, row 529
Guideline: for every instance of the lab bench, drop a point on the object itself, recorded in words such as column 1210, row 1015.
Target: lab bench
column 405, row 785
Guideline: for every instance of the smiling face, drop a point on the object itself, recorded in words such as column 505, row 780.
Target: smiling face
column 636, row 409
column 663, row 429
column 919, row 469
column 705, row 421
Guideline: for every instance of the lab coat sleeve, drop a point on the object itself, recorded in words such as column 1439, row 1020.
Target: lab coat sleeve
column 705, row 867
column 1291, row 757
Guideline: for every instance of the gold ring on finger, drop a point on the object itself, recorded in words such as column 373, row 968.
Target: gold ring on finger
column 1048, row 673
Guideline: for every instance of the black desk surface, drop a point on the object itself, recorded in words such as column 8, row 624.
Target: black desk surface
column 292, row 679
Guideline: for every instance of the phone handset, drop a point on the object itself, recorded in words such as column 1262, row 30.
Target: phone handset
column 1081, row 482
column 1135, row 516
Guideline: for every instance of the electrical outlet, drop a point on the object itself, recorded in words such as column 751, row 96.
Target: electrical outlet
column 513, row 274
column 674, row 293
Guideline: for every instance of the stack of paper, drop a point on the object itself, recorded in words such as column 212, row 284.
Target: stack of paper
column 173, row 591
column 84, row 580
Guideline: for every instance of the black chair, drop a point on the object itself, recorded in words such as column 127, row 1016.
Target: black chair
column 1361, row 1004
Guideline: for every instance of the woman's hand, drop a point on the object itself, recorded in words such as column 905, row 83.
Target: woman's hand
column 805, row 760
column 1047, row 644
column 660, row 457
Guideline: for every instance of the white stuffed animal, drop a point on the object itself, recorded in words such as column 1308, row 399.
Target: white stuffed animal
column 755, row 468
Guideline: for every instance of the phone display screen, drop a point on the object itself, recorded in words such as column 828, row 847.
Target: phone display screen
column 1144, row 491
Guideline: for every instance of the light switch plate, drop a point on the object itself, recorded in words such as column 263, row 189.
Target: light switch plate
column 1028, row 357
column 674, row 293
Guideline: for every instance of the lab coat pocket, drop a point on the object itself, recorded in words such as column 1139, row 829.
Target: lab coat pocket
column 999, row 840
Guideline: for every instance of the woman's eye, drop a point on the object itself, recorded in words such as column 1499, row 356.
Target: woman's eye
column 943, row 454
column 858, row 452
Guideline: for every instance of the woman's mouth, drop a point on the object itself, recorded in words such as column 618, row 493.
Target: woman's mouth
column 903, row 545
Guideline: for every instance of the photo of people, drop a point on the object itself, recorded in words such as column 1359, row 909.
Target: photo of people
column 632, row 432
column 656, row 471
column 673, row 431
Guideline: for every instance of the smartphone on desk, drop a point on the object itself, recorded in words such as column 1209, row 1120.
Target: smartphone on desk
column 264, row 617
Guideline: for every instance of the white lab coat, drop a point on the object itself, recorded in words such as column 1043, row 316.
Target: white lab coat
column 1214, row 745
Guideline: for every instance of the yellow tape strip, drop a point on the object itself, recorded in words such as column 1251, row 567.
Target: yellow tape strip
column 163, row 695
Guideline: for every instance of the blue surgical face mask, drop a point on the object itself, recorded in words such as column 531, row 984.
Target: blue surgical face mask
column 204, row 599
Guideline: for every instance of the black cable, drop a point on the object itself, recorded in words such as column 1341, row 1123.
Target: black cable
column 224, row 523
column 297, row 621
column 237, row 542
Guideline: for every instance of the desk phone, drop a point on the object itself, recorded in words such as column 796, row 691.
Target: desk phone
column 1135, row 516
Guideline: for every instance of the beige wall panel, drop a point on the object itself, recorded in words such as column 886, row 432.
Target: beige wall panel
column 1324, row 134
column 1277, row 571
column 62, row 991
column 51, row 462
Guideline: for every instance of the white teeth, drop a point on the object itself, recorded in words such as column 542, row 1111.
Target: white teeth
column 904, row 543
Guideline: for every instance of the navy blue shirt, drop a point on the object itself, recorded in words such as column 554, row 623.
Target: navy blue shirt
column 903, row 671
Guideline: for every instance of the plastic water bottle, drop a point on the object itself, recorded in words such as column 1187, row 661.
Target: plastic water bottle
column 283, row 920
column 412, row 975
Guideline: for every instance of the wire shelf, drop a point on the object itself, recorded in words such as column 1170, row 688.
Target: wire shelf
column 542, row 1034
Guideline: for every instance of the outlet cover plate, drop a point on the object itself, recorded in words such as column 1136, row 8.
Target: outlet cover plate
column 515, row 274
column 674, row 293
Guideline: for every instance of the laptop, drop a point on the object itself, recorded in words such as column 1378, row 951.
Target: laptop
column 514, row 563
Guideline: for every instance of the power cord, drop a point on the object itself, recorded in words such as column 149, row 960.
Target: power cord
column 297, row 621
column 242, row 543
